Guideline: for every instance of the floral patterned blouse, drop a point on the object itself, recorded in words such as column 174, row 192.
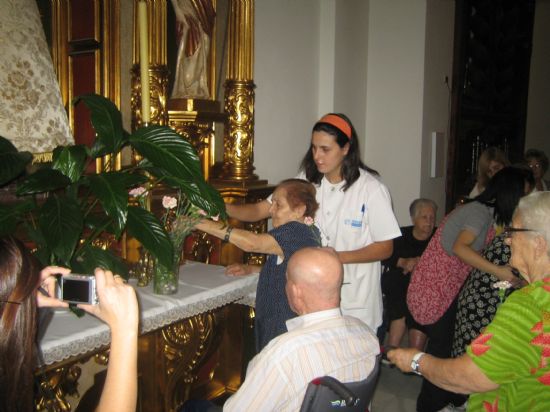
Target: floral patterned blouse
column 514, row 351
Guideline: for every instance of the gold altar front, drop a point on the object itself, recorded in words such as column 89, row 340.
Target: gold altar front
column 201, row 356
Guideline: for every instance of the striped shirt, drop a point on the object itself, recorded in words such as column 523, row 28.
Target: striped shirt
column 316, row 344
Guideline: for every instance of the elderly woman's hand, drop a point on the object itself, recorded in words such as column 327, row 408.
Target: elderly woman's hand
column 45, row 296
column 239, row 269
column 402, row 358
column 506, row 273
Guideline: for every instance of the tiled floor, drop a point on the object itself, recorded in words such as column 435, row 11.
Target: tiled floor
column 396, row 392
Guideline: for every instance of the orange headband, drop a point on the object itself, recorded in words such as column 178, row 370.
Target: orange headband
column 337, row 122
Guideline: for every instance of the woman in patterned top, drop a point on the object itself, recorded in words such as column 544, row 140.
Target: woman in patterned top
column 292, row 211
column 506, row 368
column 480, row 296
column 445, row 264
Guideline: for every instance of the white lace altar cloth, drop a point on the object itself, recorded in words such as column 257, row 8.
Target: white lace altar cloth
column 201, row 288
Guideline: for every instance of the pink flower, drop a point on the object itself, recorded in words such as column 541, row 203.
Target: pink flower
column 202, row 212
column 308, row 220
column 137, row 191
column 169, row 202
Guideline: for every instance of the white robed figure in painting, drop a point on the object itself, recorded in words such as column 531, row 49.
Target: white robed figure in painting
column 195, row 23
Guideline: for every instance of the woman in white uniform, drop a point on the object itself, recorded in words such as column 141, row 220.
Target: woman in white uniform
column 355, row 214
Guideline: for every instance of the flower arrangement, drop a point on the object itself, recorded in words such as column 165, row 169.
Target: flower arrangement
column 179, row 218
column 66, row 212
column 502, row 286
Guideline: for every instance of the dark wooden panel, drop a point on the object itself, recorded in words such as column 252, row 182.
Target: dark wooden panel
column 490, row 85
column 83, row 20
column 83, row 79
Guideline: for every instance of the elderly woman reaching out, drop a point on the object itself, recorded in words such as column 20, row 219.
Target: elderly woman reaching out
column 292, row 211
column 506, row 367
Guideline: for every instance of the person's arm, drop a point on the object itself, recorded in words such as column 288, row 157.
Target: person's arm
column 119, row 309
column 460, row 375
column 372, row 253
column 249, row 212
column 243, row 239
column 462, row 248
column 407, row 264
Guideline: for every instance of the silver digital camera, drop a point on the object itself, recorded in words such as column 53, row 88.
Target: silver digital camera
column 77, row 288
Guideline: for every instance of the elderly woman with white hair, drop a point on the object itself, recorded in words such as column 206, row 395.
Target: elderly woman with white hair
column 506, row 367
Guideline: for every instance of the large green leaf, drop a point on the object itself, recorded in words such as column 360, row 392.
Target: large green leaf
column 205, row 197
column 12, row 162
column 166, row 149
column 70, row 160
column 42, row 252
column 111, row 190
column 199, row 193
column 61, row 223
column 147, row 229
column 10, row 215
column 107, row 122
column 91, row 257
column 43, row 180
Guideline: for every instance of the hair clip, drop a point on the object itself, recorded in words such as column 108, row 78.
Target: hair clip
column 10, row 301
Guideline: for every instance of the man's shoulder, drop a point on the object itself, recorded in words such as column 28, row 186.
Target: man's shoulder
column 340, row 326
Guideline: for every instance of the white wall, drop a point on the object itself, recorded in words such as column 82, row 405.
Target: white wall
column 394, row 109
column 437, row 66
column 286, row 73
column 363, row 58
column 351, row 58
column 538, row 103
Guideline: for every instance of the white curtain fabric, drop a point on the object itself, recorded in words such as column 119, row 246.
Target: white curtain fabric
column 32, row 115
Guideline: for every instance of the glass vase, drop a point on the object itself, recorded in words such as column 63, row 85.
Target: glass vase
column 165, row 279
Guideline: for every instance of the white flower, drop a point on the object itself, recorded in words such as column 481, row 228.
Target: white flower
column 169, row 202
column 502, row 285
column 216, row 218
column 137, row 191
column 308, row 220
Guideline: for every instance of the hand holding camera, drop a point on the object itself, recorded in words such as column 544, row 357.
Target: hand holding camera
column 117, row 302
column 45, row 296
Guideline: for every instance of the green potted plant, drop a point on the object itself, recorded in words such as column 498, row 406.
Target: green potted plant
column 63, row 210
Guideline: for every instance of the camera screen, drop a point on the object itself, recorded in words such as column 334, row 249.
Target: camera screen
column 76, row 290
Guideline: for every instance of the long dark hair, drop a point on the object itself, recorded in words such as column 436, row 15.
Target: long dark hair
column 19, row 278
column 351, row 163
column 504, row 190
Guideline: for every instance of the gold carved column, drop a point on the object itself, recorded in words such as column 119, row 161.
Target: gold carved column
column 238, row 161
column 158, row 71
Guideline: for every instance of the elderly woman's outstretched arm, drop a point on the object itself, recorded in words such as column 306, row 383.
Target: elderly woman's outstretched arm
column 460, row 375
column 243, row 239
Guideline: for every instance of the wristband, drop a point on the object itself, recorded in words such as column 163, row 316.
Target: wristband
column 227, row 234
column 414, row 363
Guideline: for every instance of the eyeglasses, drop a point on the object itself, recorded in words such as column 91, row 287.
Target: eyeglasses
column 509, row 231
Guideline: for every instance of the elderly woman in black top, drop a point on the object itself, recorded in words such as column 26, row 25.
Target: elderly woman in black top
column 397, row 269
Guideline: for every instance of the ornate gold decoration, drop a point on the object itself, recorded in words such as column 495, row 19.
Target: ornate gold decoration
column 143, row 269
column 202, row 248
column 55, row 386
column 102, row 358
column 158, row 77
column 238, row 162
column 45, row 157
column 184, row 346
column 256, row 227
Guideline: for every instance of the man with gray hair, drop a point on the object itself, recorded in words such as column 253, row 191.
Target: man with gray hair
column 320, row 341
